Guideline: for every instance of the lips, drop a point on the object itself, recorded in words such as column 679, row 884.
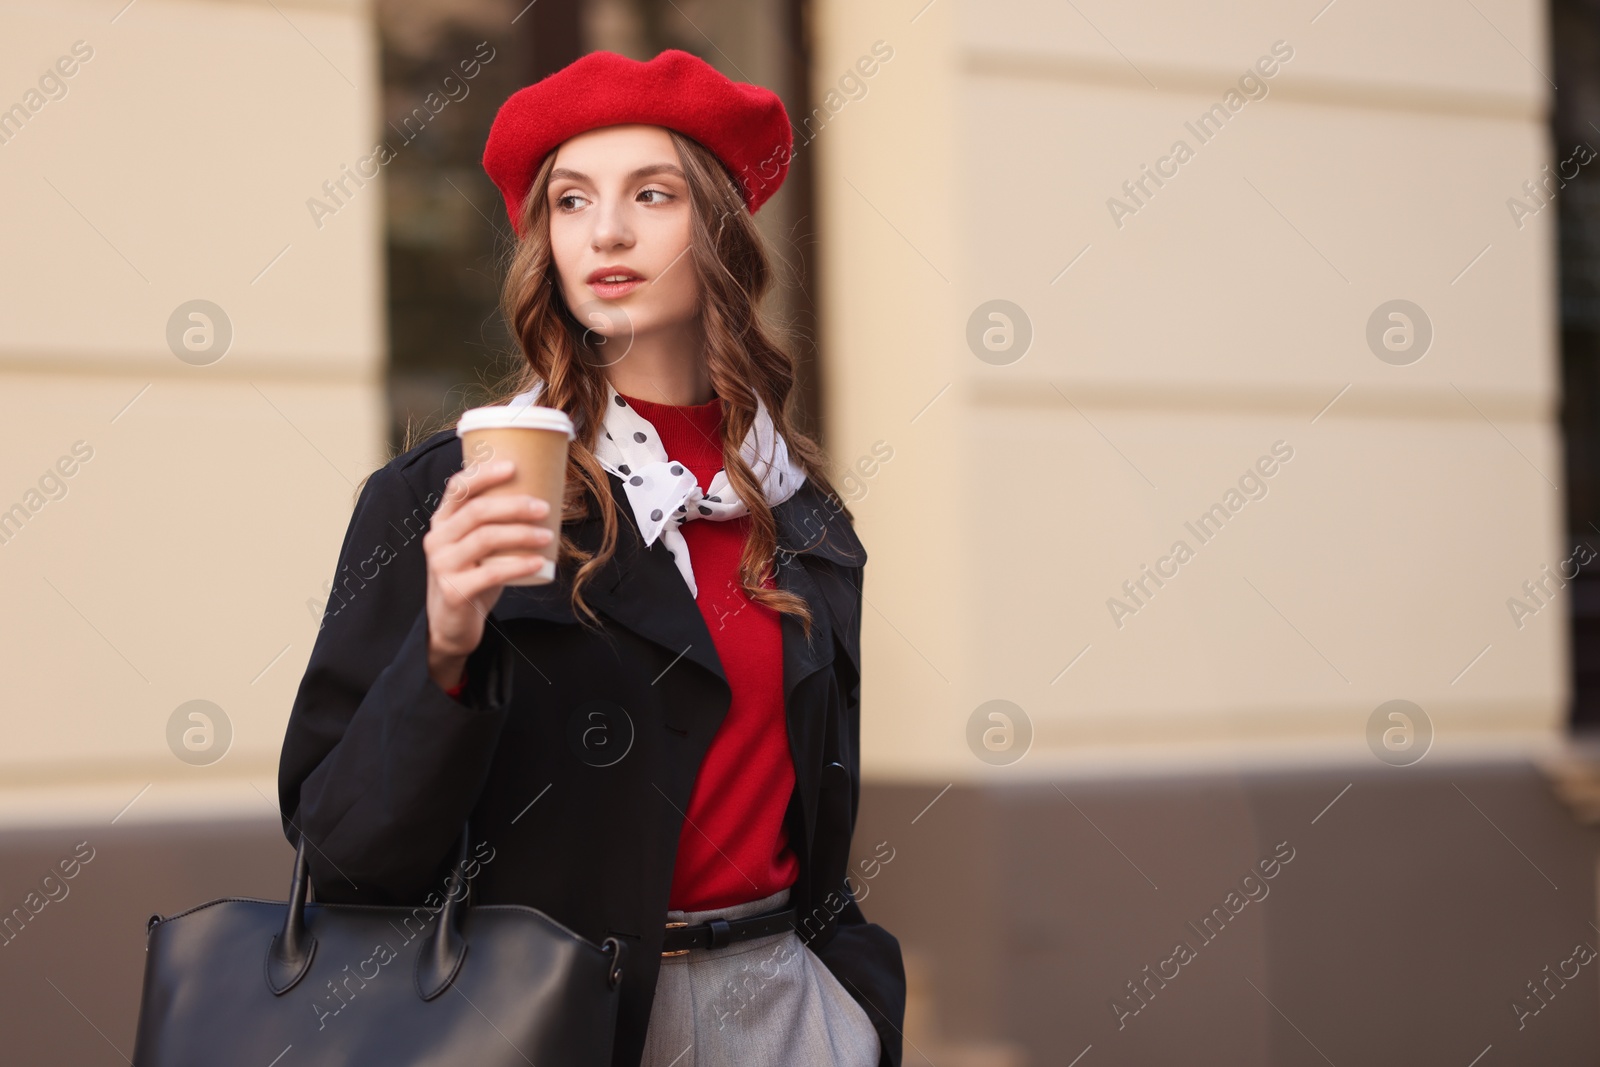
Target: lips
column 610, row 283
column 613, row 275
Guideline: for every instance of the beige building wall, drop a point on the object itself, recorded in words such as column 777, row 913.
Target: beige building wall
column 176, row 562
column 187, row 557
column 1174, row 342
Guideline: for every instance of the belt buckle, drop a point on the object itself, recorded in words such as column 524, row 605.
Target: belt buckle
column 676, row 951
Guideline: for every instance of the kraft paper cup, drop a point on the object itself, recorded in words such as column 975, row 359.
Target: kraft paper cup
column 535, row 439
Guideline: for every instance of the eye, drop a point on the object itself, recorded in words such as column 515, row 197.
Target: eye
column 561, row 202
column 665, row 196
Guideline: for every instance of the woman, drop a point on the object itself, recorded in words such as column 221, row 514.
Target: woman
column 661, row 744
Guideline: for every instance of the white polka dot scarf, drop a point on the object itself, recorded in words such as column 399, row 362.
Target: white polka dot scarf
column 663, row 493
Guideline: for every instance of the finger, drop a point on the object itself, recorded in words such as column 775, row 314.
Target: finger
column 466, row 483
column 472, row 479
column 494, row 572
column 501, row 569
column 498, row 507
column 491, row 537
column 464, row 588
column 482, row 514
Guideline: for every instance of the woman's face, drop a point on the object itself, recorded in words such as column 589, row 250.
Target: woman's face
column 619, row 208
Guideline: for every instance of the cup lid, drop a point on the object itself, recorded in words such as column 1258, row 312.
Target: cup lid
column 515, row 416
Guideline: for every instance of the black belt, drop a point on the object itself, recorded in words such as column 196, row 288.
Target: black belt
column 714, row 933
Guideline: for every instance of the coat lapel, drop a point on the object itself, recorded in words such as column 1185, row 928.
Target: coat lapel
column 811, row 527
column 638, row 588
column 642, row 589
column 809, row 523
column 814, row 541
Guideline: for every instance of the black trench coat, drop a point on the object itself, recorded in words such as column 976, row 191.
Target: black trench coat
column 380, row 767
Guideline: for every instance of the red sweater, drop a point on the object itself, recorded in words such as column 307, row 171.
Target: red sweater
column 733, row 846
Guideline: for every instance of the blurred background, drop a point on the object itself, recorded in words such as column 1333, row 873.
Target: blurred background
column 1216, row 388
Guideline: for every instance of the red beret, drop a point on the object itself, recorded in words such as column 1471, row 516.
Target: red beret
column 744, row 125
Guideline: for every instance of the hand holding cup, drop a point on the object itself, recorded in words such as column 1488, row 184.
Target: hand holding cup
column 499, row 525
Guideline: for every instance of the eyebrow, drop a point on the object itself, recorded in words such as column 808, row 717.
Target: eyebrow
column 642, row 172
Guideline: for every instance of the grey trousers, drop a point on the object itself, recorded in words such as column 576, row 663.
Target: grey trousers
column 769, row 1000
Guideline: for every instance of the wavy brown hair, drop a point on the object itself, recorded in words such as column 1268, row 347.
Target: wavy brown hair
column 745, row 356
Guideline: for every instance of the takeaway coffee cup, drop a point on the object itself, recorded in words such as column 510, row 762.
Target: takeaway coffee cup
column 534, row 439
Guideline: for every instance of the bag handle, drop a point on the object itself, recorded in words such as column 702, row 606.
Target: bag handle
column 292, row 949
column 446, row 947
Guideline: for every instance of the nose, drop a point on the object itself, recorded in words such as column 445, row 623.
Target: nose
column 611, row 226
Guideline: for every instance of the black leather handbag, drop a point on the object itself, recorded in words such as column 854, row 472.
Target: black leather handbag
column 296, row 984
